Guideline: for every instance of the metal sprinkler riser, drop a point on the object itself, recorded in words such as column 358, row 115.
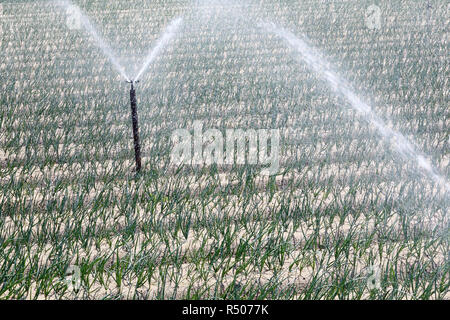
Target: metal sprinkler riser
column 134, row 118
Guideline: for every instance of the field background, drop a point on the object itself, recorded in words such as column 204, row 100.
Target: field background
column 343, row 201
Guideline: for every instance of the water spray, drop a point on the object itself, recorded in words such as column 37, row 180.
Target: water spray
column 91, row 29
column 134, row 119
column 165, row 38
column 321, row 66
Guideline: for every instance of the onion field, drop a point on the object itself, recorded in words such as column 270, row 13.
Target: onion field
column 359, row 205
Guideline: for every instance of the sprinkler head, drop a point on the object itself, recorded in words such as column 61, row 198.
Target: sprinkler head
column 132, row 82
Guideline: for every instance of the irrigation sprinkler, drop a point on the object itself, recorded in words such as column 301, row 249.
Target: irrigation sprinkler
column 134, row 118
column 82, row 20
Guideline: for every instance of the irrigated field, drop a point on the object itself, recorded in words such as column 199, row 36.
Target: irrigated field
column 346, row 217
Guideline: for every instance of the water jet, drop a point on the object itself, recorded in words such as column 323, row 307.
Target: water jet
column 91, row 29
column 317, row 63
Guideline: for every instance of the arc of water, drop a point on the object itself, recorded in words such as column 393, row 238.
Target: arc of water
column 160, row 44
column 107, row 50
column 98, row 40
column 321, row 66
